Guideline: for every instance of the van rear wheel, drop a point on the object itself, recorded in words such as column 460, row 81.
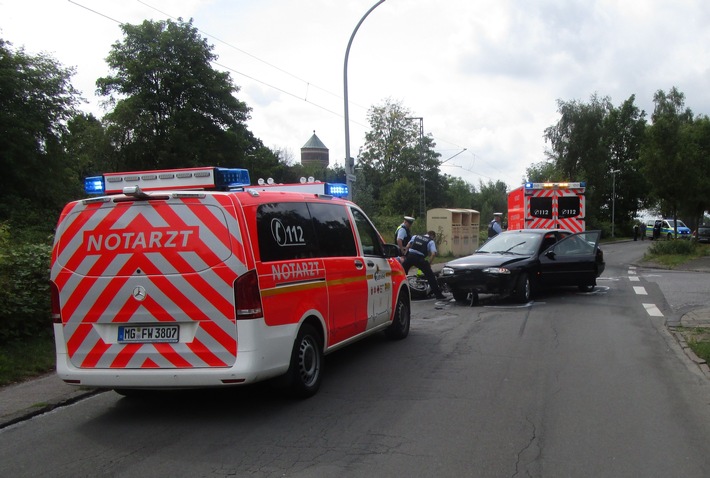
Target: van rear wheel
column 305, row 372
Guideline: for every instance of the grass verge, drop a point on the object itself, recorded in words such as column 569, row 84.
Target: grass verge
column 698, row 339
column 24, row 359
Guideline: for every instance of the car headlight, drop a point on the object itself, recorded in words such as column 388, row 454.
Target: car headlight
column 496, row 270
column 447, row 271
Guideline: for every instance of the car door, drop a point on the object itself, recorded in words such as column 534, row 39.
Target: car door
column 379, row 271
column 571, row 261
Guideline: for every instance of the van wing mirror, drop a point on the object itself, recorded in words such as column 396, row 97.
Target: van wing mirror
column 391, row 250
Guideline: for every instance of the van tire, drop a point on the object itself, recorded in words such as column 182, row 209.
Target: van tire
column 305, row 371
column 399, row 328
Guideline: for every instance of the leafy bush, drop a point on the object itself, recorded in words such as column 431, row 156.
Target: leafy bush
column 681, row 247
column 24, row 288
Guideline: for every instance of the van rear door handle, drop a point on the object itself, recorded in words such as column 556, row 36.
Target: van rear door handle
column 358, row 264
column 370, row 264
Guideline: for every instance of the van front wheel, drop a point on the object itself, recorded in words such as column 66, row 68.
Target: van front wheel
column 306, row 369
column 399, row 328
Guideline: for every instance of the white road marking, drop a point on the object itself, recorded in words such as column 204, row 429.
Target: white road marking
column 635, row 279
column 652, row 310
column 640, row 291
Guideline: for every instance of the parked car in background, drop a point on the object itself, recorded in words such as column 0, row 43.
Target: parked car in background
column 517, row 263
column 702, row 234
column 667, row 229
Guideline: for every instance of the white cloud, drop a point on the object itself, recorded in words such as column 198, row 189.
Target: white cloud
column 484, row 75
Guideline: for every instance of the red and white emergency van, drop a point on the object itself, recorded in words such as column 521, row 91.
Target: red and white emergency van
column 547, row 206
column 192, row 278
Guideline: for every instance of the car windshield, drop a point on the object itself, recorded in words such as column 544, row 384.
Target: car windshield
column 512, row 243
column 678, row 222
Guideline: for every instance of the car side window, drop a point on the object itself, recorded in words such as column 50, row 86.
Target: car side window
column 333, row 230
column 285, row 232
column 576, row 244
column 369, row 237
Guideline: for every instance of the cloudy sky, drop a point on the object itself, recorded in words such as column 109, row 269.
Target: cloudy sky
column 485, row 76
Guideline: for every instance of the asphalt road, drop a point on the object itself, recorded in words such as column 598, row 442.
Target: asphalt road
column 570, row 385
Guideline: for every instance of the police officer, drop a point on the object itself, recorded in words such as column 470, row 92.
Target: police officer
column 418, row 248
column 494, row 228
column 404, row 234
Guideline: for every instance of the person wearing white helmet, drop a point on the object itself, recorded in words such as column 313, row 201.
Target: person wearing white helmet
column 403, row 234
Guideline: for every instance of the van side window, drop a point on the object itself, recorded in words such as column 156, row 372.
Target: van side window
column 369, row 237
column 285, row 232
column 333, row 230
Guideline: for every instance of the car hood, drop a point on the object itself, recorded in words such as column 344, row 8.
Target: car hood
column 485, row 260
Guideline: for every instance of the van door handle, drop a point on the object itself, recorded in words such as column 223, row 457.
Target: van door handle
column 370, row 264
column 358, row 264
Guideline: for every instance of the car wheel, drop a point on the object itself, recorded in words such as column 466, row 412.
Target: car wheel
column 460, row 295
column 523, row 289
column 399, row 328
column 670, row 236
column 306, row 369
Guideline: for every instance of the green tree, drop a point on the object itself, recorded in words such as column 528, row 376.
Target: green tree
column 624, row 130
column 459, row 193
column 589, row 141
column 695, row 151
column 491, row 197
column 665, row 164
column 170, row 107
column 395, row 150
column 36, row 101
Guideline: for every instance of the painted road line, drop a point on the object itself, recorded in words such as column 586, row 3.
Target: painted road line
column 635, row 279
column 652, row 310
column 640, row 291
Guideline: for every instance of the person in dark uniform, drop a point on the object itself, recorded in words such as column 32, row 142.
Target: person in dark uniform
column 420, row 248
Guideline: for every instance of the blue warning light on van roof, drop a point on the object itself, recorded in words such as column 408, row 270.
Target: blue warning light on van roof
column 207, row 178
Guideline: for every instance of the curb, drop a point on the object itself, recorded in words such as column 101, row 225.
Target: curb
column 43, row 408
column 701, row 363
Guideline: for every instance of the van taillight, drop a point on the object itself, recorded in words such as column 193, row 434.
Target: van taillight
column 247, row 297
column 54, row 298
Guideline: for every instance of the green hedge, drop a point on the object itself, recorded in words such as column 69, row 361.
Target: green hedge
column 678, row 246
column 24, row 288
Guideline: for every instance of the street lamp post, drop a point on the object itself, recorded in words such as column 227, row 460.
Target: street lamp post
column 350, row 162
column 613, row 198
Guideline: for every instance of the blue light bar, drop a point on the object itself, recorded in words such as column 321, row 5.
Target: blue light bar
column 528, row 185
column 339, row 190
column 227, row 178
column 94, row 185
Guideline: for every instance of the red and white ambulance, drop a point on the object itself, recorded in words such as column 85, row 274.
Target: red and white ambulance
column 191, row 278
column 547, row 206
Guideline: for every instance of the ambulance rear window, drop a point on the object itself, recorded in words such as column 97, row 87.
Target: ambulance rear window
column 541, row 207
column 568, row 206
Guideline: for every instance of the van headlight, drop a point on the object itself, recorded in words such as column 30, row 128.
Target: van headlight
column 447, row 271
column 496, row 270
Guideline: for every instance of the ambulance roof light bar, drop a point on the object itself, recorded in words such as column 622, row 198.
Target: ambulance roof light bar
column 221, row 179
column 560, row 185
